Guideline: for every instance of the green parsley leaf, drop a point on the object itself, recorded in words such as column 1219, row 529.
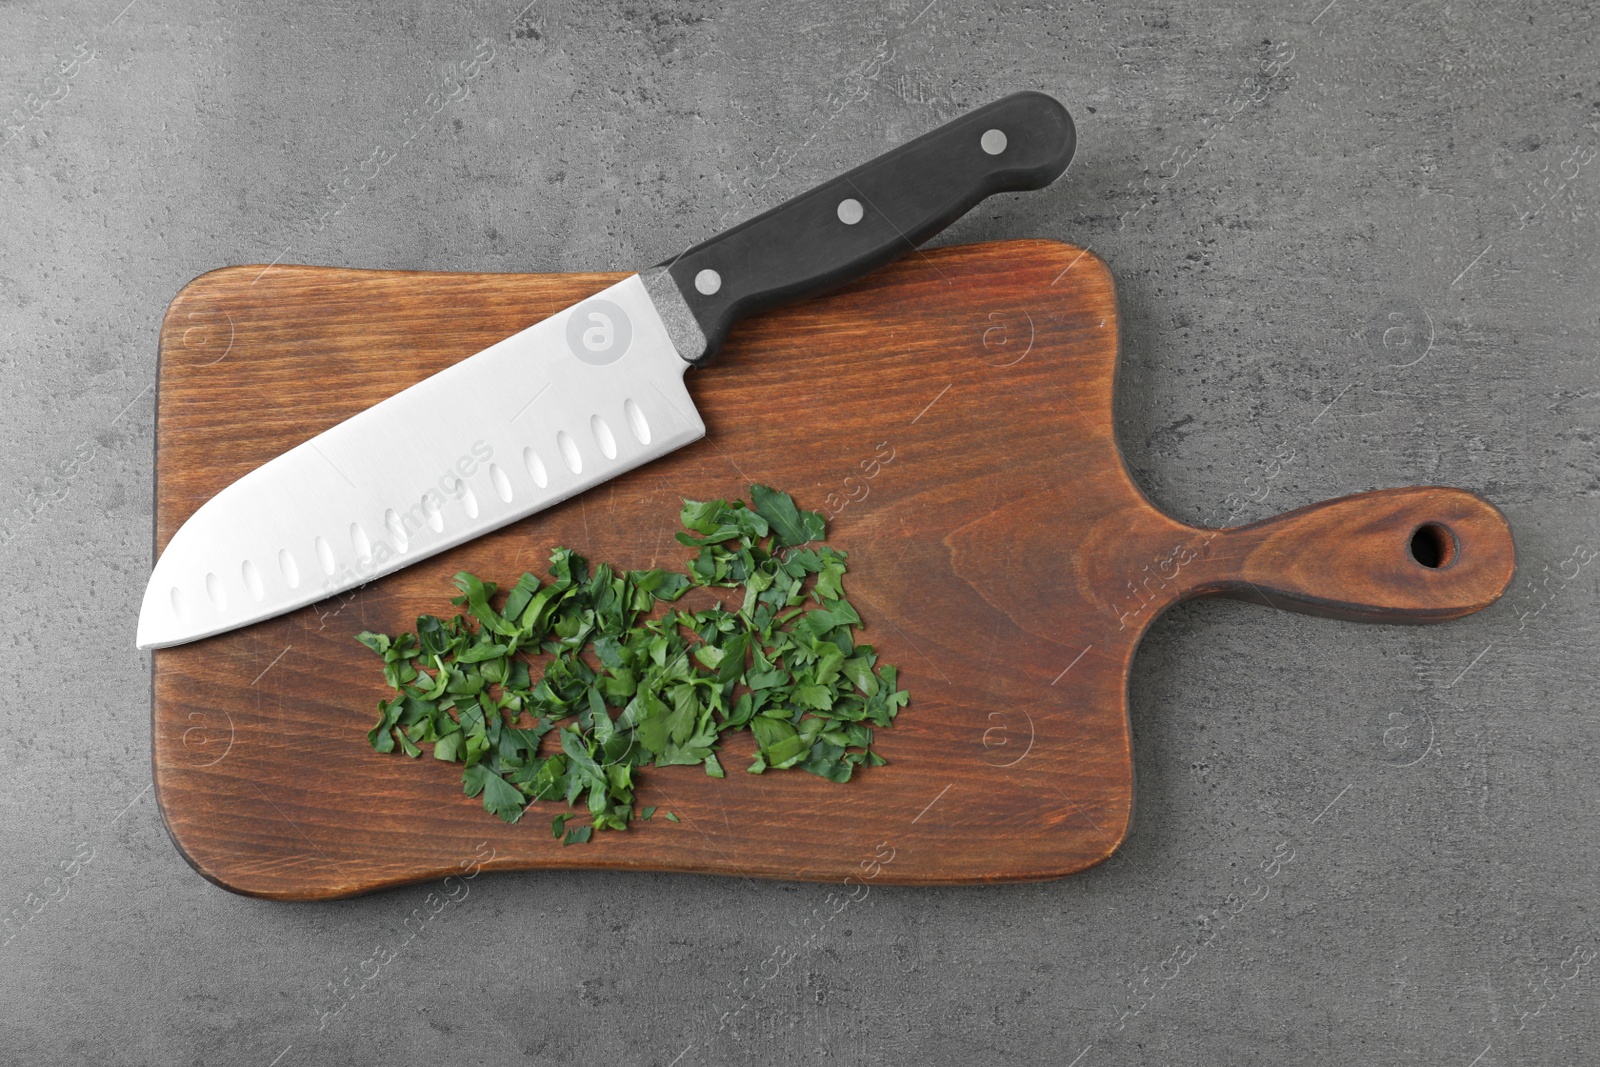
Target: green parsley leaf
column 791, row 525
column 586, row 654
column 379, row 643
column 499, row 796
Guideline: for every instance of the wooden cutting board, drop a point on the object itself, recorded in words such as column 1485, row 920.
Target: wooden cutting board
column 952, row 415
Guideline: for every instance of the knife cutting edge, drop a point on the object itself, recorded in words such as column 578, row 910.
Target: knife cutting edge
column 573, row 400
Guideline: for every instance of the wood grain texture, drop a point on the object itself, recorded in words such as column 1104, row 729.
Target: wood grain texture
column 1002, row 558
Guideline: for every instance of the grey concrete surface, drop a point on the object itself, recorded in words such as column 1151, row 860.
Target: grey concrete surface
column 1355, row 247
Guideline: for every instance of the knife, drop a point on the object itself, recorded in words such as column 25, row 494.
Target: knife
column 573, row 400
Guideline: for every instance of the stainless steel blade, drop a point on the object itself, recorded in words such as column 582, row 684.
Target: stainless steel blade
column 562, row 406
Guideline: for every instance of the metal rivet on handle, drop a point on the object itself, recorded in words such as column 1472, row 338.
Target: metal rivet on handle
column 850, row 211
column 708, row 281
column 993, row 142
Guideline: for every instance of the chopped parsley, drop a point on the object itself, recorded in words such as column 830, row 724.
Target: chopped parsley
column 621, row 687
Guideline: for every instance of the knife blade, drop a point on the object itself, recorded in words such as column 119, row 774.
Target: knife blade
column 571, row 401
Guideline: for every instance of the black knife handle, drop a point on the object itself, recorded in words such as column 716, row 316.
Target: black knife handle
column 872, row 215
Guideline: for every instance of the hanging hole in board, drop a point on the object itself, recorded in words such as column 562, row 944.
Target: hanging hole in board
column 1433, row 545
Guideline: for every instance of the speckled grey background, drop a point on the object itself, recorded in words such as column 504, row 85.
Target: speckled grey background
column 1355, row 247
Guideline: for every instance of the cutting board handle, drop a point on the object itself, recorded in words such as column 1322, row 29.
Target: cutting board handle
column 1422, row 554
